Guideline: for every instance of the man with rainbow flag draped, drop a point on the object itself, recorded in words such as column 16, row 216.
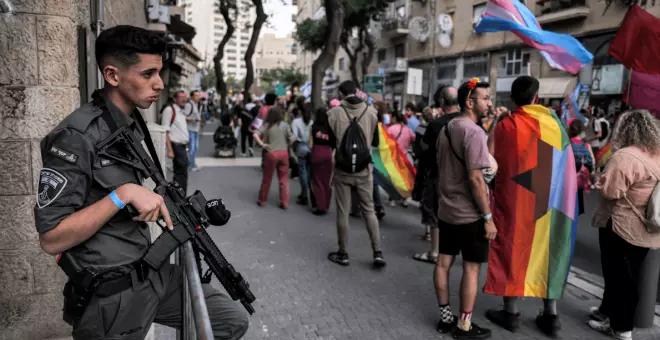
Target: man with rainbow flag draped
column 535, row 210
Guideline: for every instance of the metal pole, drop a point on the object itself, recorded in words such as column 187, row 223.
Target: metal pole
column 432, row 71
column 99, row 24
column 193, row 285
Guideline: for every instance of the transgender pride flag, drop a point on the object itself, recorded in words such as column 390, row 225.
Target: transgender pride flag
column 561, row 51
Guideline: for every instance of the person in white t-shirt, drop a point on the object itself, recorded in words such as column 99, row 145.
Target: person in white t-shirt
column 177, row 138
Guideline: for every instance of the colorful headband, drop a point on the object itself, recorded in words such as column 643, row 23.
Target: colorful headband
column 472, row 84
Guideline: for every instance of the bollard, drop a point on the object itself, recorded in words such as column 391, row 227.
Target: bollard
column 648, row 289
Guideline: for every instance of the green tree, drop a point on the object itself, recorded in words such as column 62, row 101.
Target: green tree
column 324, row 36
column 224, row 6
column 311, row 34
column 259, row 22
column 208, row 79
column 359, row 13
column 288, row 76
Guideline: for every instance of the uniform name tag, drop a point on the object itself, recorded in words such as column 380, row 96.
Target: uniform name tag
column 63, row 154
column 51, row 184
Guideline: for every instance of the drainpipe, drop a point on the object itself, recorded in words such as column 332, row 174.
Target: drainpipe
column 97, row 26
column 5, row 7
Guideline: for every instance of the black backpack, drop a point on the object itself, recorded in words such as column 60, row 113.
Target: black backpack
column 354, row 153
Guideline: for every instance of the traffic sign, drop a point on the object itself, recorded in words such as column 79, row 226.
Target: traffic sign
column 374, row 84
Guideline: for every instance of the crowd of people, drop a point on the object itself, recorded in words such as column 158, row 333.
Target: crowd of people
column 454, row 146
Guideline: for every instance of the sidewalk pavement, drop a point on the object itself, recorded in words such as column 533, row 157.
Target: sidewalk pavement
column 302, row 295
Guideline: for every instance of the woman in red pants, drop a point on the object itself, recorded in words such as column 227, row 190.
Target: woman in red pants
column 275, row 136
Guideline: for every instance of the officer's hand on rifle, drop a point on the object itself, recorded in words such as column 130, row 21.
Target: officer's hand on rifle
column 149, row 205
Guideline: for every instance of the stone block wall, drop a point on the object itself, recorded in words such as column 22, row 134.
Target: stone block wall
column 38, row 88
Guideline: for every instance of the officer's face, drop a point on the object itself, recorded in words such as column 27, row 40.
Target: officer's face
column 140, row 84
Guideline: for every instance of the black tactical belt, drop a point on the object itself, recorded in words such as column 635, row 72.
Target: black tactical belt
column 110, row 287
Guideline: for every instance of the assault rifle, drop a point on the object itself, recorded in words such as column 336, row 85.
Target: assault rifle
column 190, row 215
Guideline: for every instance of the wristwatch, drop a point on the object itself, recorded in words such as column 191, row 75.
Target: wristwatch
column 487, row 217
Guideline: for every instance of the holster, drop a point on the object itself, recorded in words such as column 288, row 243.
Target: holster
column 78, row 290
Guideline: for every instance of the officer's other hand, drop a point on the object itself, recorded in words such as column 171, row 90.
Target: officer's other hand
column 170, row 153
column 149, row 205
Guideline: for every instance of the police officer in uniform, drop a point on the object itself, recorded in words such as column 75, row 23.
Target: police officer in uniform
column 81, row 205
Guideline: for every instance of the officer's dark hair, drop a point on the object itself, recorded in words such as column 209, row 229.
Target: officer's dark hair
column 524, row 89
column 122, row 44
column 192, row 93
column 347, row 88
column 464, row 91
column 270, row 98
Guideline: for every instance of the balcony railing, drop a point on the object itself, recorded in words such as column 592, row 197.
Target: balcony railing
column 395, row 26
column 550, row 11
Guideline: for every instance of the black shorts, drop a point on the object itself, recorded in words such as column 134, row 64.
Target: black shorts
column 467, row 239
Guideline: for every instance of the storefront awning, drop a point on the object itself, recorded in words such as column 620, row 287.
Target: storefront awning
column 553, row 87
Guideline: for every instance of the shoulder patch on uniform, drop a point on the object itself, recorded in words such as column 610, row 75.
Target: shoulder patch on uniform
column 51, row 184
column 63, row 154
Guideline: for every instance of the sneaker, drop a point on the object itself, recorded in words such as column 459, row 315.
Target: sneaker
column 339, row 257
column 475, row 332
column 195, row 168
column 301, row 200
column 380, row 212
column 379, row 261
column 548, row 324
column 251, row 152
column 604, row 327
column 504, row 319
column 283, row 206
column 446, row 327
column 596, row 314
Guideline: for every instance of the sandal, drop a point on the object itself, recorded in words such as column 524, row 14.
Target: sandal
column 425, row 257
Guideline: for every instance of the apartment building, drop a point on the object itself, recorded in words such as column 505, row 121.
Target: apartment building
column 499, row 58
column 205, row 16
column 273, row 52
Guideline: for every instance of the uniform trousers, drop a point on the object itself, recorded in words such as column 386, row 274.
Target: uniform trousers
column 128, row 315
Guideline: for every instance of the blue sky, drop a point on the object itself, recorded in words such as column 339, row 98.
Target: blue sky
column 280, row 17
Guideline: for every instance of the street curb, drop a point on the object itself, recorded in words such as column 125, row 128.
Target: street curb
column 594, row 285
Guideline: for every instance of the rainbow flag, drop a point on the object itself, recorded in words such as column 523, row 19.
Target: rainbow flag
column 535, row 206
column 393, row 171
column 603, row 155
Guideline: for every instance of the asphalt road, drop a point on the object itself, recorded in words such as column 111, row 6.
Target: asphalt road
column 587, row 251
column 301, row 295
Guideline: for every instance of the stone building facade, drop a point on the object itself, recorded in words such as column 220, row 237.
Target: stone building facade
column 39, row 85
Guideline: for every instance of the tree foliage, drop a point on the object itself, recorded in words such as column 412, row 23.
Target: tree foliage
column 311, row 34
column 287, row 76
column 208, row 79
